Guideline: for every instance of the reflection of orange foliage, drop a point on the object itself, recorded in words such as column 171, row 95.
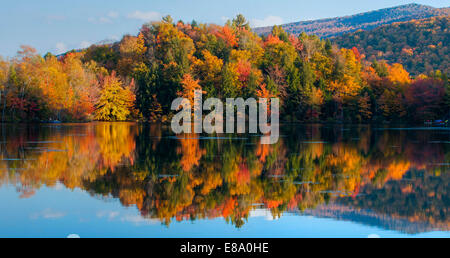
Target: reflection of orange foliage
column 270, row 204
column 132, row 196
column 26, row 193
column 208, row 188
column 397, row 169
column 349, row 162
column 229, row 206
column 191, row 151
column 408, row 189
column 116, row 141
column 243, row 174
column 211, row 181
column 316, row 150
column 240, row 180
column 293, row 203
column 262, row 151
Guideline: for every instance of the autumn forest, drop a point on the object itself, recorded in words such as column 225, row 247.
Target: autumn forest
column 88, row 146
column 138, row 77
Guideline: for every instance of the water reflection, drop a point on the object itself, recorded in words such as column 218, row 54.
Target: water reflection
column 391, row 178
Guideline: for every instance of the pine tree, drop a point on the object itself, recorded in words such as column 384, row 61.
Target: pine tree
column 146, row 91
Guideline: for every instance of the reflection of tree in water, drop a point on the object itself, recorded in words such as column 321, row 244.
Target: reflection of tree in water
column 188, row 178
column 419, row 196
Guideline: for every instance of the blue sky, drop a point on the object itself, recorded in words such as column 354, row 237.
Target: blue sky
column 59, row 25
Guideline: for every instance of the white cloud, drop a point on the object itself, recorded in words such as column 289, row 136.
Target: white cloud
column 104, row 20
column 85, row 44
column 138, row 220
column 108, row 214
column 113, row 14
column 48, row 214
column 59, row 186
column 268, row 21
column 262, row 213
column 145, row 16
column 99, row 20
column 60, row 48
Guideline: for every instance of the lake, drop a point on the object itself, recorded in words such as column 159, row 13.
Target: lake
column 138, row 180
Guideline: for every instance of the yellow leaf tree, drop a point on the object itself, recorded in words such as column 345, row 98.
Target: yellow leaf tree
column 115, row 102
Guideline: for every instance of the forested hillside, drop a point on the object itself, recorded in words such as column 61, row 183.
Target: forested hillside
column 331, row 27
column 139, row 77
column 420, row 45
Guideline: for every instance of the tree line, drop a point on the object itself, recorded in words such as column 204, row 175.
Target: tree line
column 138, row 77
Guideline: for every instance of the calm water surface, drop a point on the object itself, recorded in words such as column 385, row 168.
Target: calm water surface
column 132, row 180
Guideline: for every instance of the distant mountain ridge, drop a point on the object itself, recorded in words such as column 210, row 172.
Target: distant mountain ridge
column 331, row 27
column 369, row 217
column 421, row 46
